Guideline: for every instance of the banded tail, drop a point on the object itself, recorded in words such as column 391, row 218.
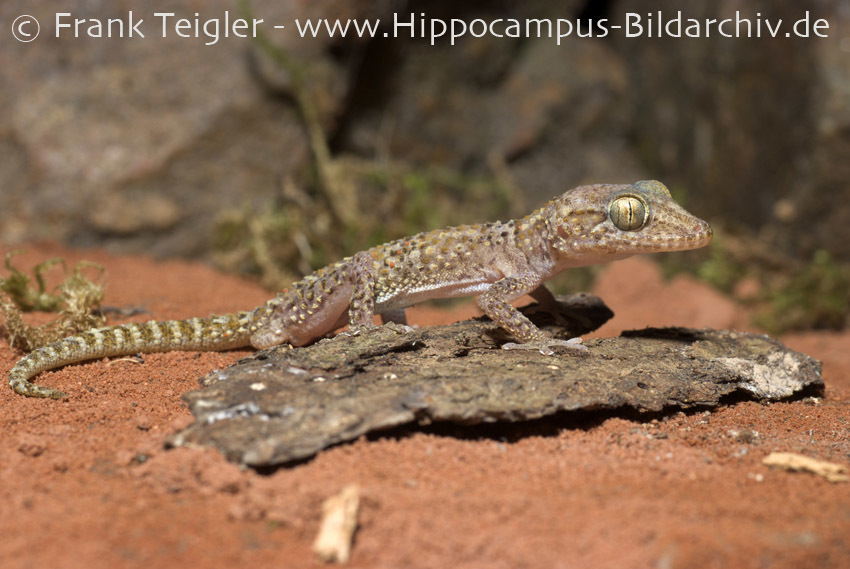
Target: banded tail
column 196, row 334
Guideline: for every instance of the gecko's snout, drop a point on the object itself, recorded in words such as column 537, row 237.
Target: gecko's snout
column 698, row 235
column 703, row 234
column 709, row 233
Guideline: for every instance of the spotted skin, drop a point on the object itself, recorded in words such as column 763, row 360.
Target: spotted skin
column 497, row 261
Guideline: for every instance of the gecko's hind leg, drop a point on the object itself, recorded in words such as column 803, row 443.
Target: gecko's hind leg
column 360, row 272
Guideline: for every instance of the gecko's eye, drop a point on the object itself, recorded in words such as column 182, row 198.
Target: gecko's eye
column 628, row 212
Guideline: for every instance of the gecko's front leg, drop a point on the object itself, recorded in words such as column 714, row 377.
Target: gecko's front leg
column 360, row 272
column 496, row 303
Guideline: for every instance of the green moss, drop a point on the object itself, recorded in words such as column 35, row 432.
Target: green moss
column 417, row 212
column 815, row 297
column 721, row 269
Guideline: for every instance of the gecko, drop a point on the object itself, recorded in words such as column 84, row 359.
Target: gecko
column 499, row 262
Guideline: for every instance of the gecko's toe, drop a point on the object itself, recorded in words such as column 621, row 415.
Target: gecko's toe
column 357, row 329
column 365, row 328
column 398, row 327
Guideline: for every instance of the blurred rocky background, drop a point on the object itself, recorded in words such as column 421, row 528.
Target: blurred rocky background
column 277, row 154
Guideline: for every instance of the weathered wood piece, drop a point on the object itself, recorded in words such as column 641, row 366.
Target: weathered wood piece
column 287, row 404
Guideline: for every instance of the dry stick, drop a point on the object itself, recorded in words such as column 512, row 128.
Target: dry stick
column 798, row 463
column 339, row 521
column 341, row 198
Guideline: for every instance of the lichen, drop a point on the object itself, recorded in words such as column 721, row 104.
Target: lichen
column 76, row 300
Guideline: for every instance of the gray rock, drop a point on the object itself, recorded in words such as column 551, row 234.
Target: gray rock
column 138, row 143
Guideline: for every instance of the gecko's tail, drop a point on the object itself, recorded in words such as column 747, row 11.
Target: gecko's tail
column 196, row 334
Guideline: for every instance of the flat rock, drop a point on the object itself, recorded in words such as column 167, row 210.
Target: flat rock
column 286, row 404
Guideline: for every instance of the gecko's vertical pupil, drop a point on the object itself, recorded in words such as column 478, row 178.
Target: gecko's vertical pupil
column 628, row 213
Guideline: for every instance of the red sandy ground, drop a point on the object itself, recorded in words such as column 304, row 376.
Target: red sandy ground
column 86, row 482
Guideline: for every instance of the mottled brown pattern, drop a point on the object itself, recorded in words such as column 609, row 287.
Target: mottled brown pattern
column 498, row 261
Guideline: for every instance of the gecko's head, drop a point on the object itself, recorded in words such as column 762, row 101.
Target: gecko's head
column 594, row 224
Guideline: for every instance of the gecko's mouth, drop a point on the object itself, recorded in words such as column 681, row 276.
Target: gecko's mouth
column 703, row 235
